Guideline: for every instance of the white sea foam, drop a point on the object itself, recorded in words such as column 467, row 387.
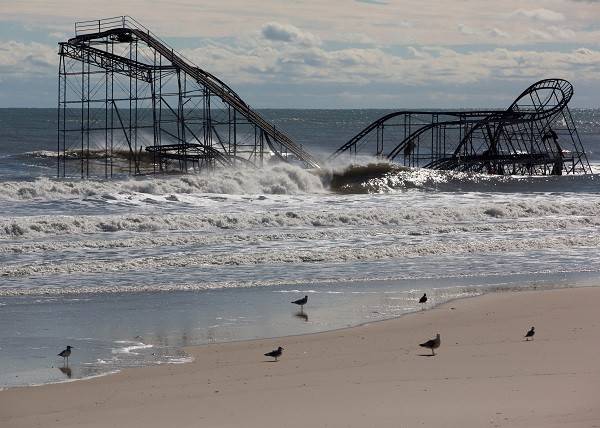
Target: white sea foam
column 206, row 285
column 328, row 255
column 130, row 347
column 94, row 376
column 279, row 179
column 172, row 227
column 563, row 212
column 177, row 360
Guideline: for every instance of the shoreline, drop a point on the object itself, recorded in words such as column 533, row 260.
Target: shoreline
column 468, row 291
column 8, row 292
column 485, row 290
column 361, row 363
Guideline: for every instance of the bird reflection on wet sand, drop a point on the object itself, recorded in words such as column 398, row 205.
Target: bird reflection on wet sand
column 302, row 315
column 66, row 371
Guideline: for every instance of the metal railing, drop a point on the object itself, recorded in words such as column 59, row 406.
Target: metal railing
column 96, row 26
column 85, row 29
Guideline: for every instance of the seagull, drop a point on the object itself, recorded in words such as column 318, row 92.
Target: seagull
column 66, row 353
column 423, row 299
column 530, row 333
column 432, row 344
column 301, row 302
column 275, row 353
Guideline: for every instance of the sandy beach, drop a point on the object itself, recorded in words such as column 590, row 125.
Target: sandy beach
column 484, row 374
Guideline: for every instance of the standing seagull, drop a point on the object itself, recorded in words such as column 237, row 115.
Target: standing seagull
column 275, row 353
column 530, row 333
column 301, row 302
column 423, row 300
column 66, row 353
column 432, row 344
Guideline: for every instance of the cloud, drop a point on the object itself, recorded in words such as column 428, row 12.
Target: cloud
column 563, row 33
column 360, row 38
column 467, row 30
column 323, row 46
column 277, row 32
column 410, row 22
column 298, row 64
column 26, row 59
column 552, row 33
column 490, row 32
column 416, row 53
column 541, row 14
column 540, row 34
column 495, row 32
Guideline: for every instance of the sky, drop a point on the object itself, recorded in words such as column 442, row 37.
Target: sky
column 335, row 53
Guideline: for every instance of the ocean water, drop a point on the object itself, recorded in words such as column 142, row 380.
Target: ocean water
column 130, row 270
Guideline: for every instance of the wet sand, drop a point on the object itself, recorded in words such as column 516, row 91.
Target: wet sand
column 485, row 374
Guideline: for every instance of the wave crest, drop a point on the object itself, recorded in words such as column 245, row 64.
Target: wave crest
column 278, row 179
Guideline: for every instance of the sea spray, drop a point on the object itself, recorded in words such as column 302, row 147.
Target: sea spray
column 275, row 179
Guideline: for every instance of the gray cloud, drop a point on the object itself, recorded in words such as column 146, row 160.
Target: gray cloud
column 277, row 32
column 541, row 14
column 495, row 32
column 26, row 59
column 264, row 61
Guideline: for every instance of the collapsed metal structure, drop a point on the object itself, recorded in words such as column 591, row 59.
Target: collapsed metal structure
column 536, row 135
column 129, row 103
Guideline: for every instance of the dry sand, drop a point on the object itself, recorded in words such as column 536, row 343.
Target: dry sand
column 375, row 375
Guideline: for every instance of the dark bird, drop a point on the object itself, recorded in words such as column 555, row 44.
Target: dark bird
column 66, row 353
column 275, row 353
column 423, row 299
column 530, row 333
column 301, row 302
column 432, row 344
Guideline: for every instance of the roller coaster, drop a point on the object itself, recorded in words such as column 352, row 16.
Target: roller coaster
column 536, row 135
column 129, row 103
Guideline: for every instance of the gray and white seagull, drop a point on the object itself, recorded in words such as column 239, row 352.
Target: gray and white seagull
column 301, row 302
column 432, row 344
column 66, row 353
column 275, row 353
column 423, row 300
column 530, row 334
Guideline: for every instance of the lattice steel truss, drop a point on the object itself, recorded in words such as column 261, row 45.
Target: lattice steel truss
column 536, row 135
column 130, row 104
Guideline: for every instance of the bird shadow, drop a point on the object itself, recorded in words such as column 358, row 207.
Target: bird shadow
column 426, row 355
column 66, row 371
column 302, row 315
column 270, row 361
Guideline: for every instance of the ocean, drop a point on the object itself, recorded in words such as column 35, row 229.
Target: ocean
column 130, row 270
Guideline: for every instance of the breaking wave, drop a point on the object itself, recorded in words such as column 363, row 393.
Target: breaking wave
column 279, row 179
column 314, row 255
column 546, row 212
column 387, row 177
column 284, row 179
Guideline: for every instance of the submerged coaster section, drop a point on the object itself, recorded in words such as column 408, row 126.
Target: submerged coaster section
column 536, row 135
column 129, row 103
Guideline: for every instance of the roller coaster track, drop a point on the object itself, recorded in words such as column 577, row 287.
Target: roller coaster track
column 472, row 116
column 535, row 135
column 125, row 28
